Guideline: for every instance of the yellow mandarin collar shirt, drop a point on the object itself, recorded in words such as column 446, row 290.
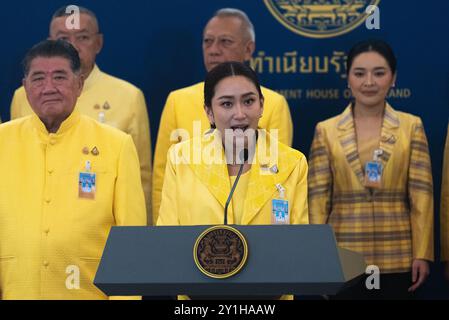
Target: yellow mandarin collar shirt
column 114, row 102
column 66, row 125
column 48, row 233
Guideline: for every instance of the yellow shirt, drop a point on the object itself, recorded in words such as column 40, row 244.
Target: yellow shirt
column 114, row 102
column 191, row 189
column 238, row 199
column 366, row 150
column 185, row 113
column 46, row 230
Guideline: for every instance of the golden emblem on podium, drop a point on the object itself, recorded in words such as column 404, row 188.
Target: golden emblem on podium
column 220, row 252
column 320, row 18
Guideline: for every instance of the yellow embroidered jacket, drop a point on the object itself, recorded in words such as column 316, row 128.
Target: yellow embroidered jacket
column 114, row 102
column 392, row 225
column 195, row 192
column 51, row 239
column 184, row 117
column 444, row 210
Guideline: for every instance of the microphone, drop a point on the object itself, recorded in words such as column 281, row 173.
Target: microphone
column 243, row 158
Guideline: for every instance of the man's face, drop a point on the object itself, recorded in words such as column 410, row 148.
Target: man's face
column 224, row 40
column 86, row 40
column 52, row 88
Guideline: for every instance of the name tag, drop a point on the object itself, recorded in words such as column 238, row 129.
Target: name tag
column 87, row 185
column 279, row 214
column 373, row 174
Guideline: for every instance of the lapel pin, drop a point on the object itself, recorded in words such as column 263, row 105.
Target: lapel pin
column 97, row 107
column 86, row 150
column 95, row 151
column 392, row 139
column 106, row 106
column 274, row 169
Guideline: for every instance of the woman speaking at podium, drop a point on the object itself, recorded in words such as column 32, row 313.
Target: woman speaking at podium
column 272, row 185
column 370, row 178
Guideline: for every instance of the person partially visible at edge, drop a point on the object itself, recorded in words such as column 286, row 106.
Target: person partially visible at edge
column 66, row 180
column 370, row 178
column 105, row 98
column 228, row 36
column 195, row 192
column 444, row 211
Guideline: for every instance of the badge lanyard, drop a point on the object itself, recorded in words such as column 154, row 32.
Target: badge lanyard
column 279, row 208
column 373, row 171
column 87, row 183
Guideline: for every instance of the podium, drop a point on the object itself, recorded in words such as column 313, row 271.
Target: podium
column 282, row 259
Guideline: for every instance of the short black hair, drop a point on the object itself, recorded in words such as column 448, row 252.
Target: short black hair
column 224, row 70
column 49, row 49
column 372, row 45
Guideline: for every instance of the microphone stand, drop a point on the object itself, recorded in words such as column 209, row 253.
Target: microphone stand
column 244, row 158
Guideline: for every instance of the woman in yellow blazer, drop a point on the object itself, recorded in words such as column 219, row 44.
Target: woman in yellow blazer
column 198, row 181
column 370, row 178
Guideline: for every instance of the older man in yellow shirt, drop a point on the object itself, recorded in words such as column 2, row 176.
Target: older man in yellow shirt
column 228, row 36
column 105, row 98
column 66, row 180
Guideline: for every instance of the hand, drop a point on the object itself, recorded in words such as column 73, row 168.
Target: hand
column 420, row 272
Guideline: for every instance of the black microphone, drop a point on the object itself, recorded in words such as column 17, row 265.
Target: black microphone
column 243, row 159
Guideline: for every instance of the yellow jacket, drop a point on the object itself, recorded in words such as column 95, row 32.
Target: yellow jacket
column 444, row 210
column 393, row 225
column 196, row 193
column 185, row 106
column 46, row 230
column 114, row 102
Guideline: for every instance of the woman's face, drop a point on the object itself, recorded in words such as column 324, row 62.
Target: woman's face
column 370, row 79
column 236, row 106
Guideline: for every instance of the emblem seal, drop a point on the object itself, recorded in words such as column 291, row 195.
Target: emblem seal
column 320, row 18
column 220, row 252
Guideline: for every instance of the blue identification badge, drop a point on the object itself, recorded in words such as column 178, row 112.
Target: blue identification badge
column 279, row 208
column 87, row 183
column 373, row 171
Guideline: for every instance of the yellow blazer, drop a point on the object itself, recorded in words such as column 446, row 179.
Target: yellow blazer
column 47, row 231
column 185, row 106
column 390, row 226
column 444, row 210
column 195, row 194
column 114, row 102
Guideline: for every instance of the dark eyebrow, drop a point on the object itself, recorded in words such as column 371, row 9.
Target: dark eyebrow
column 37, row 73
column 60, row 71
column 243, row 95
column 225, row 97
column 376, row 68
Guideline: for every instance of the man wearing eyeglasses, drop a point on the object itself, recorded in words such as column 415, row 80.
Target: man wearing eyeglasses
column 108, row 99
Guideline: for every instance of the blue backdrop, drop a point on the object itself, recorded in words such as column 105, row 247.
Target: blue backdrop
column 156, row 45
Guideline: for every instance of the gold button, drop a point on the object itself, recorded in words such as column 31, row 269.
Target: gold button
column 48, row 200
column 47, row 230
column 50, row 171
column 46, row 264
